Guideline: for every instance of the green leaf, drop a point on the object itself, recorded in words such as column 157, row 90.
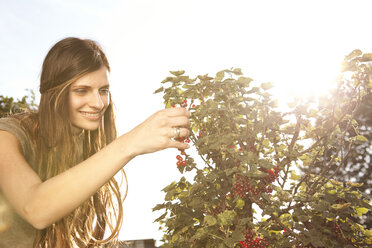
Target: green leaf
column 366, row 57
column 168, row 79
column 354, row 53
column 200, row 232
column 237, row 71
column 219, row 76
column 231, row 171
column 245, row 81
column 331, row 192
column 340, row 206
column 237, row 235
column 158, row 207
column 253, row 90
column 229, row 242
column 361, row 138
column 227, row 217
column 294, row 176
column 266, row 142
column 368, row 233
column 356, row 185
column 210, row 220
column 196, row 201
column 239, row 203
column 159, row 90
column 266, row 164
column 321, row 206
column 177, row 73
column 161, row 217
column 281, row 147
column 361, row 211
column 266, row 86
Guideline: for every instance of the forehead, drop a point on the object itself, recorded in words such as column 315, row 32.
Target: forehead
column 98, row 78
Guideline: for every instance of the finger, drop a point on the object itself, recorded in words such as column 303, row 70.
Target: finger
column 178, row 144
column 184, row 132
column 179, row 121
column 177, row 112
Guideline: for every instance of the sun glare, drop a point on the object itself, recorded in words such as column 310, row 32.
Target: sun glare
column 306, row 78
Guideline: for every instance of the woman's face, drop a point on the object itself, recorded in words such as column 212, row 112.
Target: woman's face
column 88, row 99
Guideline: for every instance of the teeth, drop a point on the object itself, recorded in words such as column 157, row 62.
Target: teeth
column 90, row 114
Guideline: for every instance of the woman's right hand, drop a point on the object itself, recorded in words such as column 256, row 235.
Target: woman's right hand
column 158, row 131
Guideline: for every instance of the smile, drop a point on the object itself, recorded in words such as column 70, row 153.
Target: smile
column 91, row 116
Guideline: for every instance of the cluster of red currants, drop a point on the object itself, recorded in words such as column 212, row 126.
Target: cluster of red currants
column 251, row 242
column 180, row 159
column 184, row 104
column 243, row 187
column 272, row 174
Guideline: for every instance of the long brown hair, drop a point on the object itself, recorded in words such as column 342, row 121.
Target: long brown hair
column 59, row 149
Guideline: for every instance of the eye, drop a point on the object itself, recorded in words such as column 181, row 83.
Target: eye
column 105, row 91
column 80, row 91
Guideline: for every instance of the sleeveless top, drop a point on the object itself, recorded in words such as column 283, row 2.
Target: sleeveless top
column 15, row 232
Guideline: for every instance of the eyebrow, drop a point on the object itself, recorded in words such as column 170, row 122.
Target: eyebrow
column 88, row 86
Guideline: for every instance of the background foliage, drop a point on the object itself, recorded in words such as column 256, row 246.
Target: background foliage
column 9, row 105
column 357, row 164
column 249, row 190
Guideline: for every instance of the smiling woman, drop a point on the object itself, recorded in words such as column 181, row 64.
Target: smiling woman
column 88, row 99
column 57, row 165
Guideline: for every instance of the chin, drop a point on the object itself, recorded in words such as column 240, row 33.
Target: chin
column 87, row 126
column 91, row 127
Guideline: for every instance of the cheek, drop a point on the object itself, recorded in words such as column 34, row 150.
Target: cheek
column 106, row 101
column 71, row 108
column 73, row 103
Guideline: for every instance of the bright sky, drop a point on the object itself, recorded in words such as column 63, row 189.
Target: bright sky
column 297, row 45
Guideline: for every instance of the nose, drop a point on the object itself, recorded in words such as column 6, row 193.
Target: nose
column 96, row 101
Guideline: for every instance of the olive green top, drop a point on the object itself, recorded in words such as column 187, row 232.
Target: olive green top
column 15, row 232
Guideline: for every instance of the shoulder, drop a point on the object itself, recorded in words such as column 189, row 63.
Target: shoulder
column 12, row 132
column 11, row 153
column 9, row 141
column 8, row 138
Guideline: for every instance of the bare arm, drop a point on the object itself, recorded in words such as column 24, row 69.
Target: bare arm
column 44, row 203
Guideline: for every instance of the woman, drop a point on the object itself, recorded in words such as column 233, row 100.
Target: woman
column 57, row 166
